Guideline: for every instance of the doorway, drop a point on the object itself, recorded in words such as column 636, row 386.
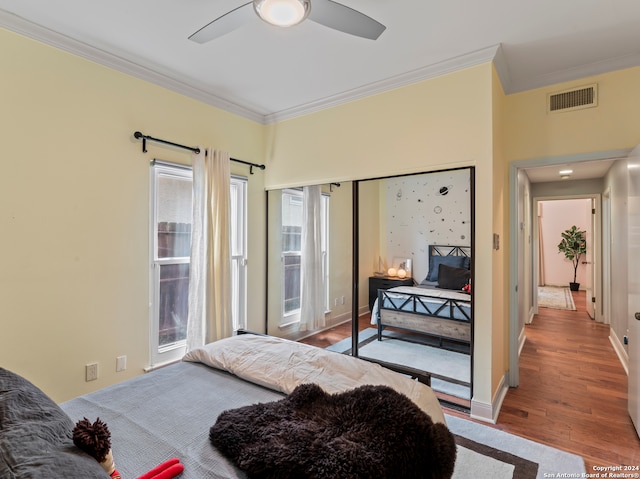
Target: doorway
column 522, row 220
column 552, row 271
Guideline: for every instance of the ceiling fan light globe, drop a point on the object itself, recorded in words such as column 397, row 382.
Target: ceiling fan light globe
column 282, row 13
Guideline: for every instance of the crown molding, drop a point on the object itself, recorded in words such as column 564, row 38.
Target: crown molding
column 492, row 53
column 502, row 68
column 31, row 30
column 430, row 71
column 37, row 32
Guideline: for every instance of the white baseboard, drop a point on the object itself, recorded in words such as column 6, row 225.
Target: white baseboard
column 331, row 322
column 489, row 412
column 521, row 340
column 618, row 347
column 532, row 313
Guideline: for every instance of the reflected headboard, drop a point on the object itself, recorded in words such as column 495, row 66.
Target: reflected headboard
column 435, row 251
column 449, row 250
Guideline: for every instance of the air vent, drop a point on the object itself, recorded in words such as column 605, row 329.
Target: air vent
column 576, row 99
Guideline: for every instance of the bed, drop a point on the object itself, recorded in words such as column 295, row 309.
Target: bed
column 437, row 307
column 169, row 412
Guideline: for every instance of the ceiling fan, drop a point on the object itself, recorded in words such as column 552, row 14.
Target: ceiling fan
column 286, row 13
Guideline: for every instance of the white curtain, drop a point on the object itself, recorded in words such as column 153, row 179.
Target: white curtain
column 210, row 274
column 312, row 284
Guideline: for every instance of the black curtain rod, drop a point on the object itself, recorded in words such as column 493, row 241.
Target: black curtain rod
column 140, row 136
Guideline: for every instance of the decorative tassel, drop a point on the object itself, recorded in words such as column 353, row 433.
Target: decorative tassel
column 95, row 440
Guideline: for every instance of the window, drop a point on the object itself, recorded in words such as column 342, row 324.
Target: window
column 291, row 260
column 171, row 209
column 171, row 189
column 239, row 252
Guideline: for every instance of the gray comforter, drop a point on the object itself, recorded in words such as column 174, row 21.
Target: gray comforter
column 168, row 414
column 35, row 435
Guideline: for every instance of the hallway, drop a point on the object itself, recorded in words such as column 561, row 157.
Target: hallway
column 573, row 390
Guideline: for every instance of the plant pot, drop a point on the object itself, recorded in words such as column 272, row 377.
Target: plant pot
column 574, row 286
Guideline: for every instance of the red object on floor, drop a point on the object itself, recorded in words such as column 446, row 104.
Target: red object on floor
column 167, row 470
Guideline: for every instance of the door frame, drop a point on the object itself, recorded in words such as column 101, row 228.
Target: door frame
column 516, row 249
column 606, row 255
column 596, row 254
column 633, row 288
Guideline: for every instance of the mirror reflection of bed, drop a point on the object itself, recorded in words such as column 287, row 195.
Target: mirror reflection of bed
column 427, row 326
column 399, row 218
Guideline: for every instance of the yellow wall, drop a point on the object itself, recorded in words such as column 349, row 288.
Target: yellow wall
column 439, row 123
column 500, row 290
column 340, row 258
column 530, row 132
column 74, row 208
column 371, row 229
column 435, row 124
column 460, row 119
column 74, row 191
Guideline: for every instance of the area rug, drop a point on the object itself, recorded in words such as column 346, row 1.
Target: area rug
column 487, row 452
column 449, row 368
column 555, row 297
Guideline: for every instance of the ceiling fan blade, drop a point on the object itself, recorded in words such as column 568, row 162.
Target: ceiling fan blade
column 345, row 19
column 224, row 24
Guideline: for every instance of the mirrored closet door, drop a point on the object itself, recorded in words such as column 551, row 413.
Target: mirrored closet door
column 414, row 277
column 309, row 261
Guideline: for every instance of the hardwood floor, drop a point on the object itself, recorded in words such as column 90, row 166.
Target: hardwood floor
column 573, row 389
column 336, row 333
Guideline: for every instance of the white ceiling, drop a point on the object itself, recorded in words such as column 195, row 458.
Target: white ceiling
column 269, row 74
column 582, row 170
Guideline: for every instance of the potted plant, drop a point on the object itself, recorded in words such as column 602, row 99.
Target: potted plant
column 573, row 245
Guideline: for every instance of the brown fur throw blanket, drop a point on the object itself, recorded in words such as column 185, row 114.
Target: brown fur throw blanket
column 368, row 432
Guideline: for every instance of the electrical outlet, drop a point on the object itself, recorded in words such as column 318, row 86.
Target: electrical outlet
column 343, row 300
column 625, row 340
column 121, row 363
column 91, row 372
column 335, row 302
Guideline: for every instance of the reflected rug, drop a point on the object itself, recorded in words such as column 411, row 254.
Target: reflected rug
column 555, row 297
column 451, row 371
column 487, row 452
column 449, row 368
